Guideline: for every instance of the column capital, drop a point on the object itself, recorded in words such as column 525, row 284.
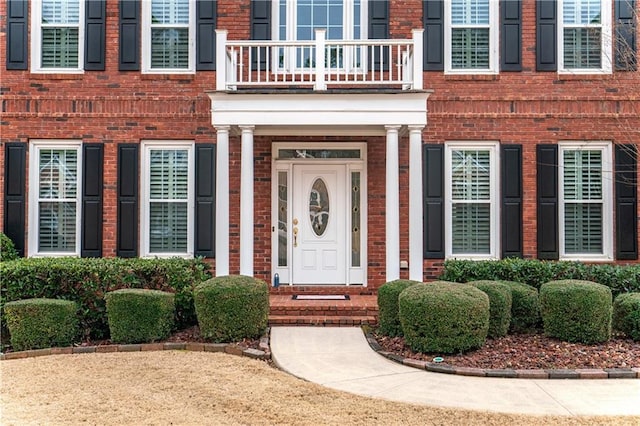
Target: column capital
column 247, row 128
column 222, row 128
column 415, row 128
column 392, row 127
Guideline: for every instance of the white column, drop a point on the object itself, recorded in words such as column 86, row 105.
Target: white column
column 415, row 203
column 221, row 59
column 393, row 205
column 222, row 201
column 320, row 83
column 418, row 74
column 246, row 202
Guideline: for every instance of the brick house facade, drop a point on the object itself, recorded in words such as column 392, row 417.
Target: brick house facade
column 455, row 129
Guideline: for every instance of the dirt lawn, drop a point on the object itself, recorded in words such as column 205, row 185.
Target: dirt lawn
column 197, row 388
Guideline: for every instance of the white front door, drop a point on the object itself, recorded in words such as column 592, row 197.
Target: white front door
column 320, row 237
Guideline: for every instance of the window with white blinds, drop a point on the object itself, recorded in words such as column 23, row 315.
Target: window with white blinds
column 168, row 35
column 472, row 31
column 57, row 35
column 472, row 206
column 586, row 192
column 585, row 38
column 168, row 208
column 55, row 198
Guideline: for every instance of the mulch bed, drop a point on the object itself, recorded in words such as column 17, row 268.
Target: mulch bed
column 530, row 351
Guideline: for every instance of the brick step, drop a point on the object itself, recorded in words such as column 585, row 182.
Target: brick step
column 322, row 320
column 323, row 310
column 324, row 289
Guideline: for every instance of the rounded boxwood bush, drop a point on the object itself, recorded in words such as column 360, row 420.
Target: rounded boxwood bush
column 139, row 315
column 444, row 317
column 388, row 321
column 576, row 311
column 41, row 323
column 499, row 306
column 232, row 308
column 525, row 307
column 626, row 314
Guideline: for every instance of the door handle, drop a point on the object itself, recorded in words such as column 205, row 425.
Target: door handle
column 295, row 236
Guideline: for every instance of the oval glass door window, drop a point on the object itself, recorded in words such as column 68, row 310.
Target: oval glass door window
column 319, row 207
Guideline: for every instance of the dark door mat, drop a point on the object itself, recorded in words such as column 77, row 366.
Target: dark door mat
column 320, row 297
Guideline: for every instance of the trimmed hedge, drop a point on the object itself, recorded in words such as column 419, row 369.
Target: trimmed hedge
column 444, row 317
column 499, row 306
column 7, row 249
column 232, row 308
column 139, row 316
column 620, row 279
column 576, row 311
column 388, row 321
column 86, row 281
column 525, row 307
column 626, row 315
column 41, row 323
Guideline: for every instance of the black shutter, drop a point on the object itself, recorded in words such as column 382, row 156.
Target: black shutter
column 511, row 158
column 625, row 26
column 379, row 29
column 546, row 35
column 205, row 213
column 433, row 17
column 206, row 14
column 92, row 166
column 547, row 182
column 433, row 200
column 15, row 193
column 95, row 35
column 128, row 166
column 17, row 38
column 511, row 35
column 626, row 202
column 260, row 30
column 129, row 35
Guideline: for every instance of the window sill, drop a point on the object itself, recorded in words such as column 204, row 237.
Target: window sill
column 583, row 77
column 472, row 77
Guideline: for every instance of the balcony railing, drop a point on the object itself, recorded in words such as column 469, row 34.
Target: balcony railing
column 319, row 64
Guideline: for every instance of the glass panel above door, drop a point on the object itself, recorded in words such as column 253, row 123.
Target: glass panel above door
column 290, row 153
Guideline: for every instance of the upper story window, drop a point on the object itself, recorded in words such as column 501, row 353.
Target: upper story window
column 472, row 191
column 585, row 36
column 54, row 201
column 471, row 42
column 298, row 19
column 57, row 35
column 586, row 225
column 168, row 37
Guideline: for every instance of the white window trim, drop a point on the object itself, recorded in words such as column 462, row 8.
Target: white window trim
column 607, row 200
column 494, row 245
column 606, row 40
column 292, row 18
column 147, row 146
column 34, row 190
column 146, row 42
column 36, row 41
column 494, row 41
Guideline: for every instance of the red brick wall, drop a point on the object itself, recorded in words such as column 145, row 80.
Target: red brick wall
column 525, row 107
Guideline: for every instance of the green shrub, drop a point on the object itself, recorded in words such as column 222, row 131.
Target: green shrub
column 388, row 321
column 626, row 315
column 7, row 249
column 525, row 307
column 139, row 316
column 41, row 323
column 444, row 317
column 86, row 281
column 619, row 278
column 232, row 308
column 576, row 311
column 499, row 306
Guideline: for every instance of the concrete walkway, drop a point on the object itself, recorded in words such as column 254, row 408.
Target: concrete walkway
column 340, row 358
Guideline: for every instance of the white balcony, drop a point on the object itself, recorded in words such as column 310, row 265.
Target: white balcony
column 319, row 64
